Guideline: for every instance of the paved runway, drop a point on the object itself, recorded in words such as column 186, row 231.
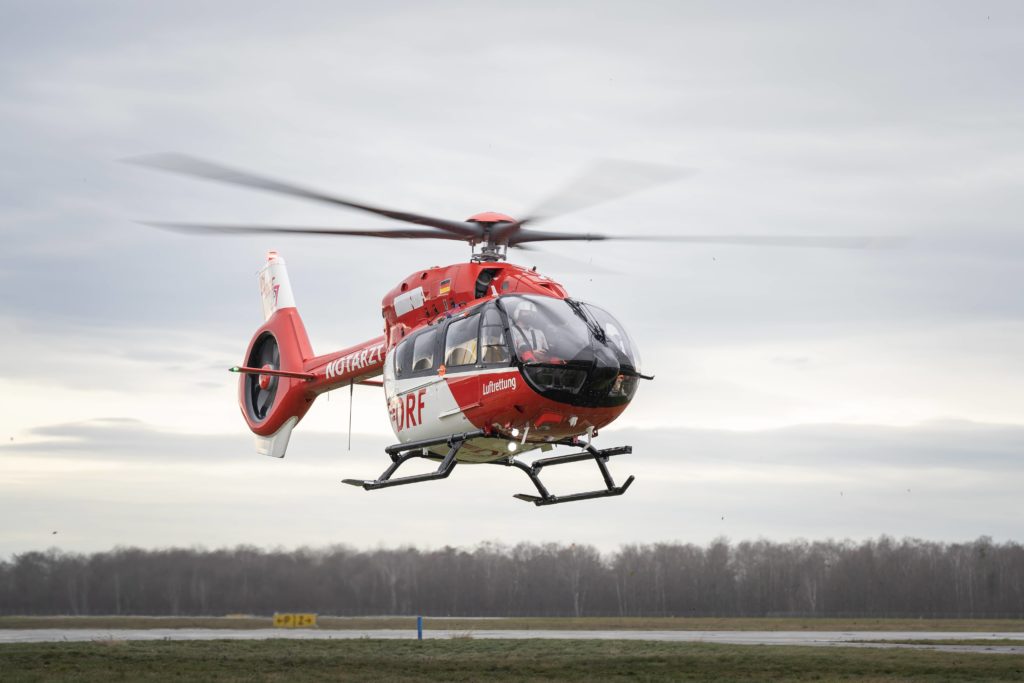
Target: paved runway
column 812, row 638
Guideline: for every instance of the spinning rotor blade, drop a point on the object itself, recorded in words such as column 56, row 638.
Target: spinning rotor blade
column 191, row 166
column 561, row 260
column 603, row 181
column 822, row 242
column 206, row 228
column 600, row 182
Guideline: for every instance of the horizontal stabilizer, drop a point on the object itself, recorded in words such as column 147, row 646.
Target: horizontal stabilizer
column 308, row 376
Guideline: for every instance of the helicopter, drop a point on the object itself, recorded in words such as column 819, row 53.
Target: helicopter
column 482, row 361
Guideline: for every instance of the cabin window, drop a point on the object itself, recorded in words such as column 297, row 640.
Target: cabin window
column 423, row 350
column 415, row 353
column 493, row 348
column 460, row 344
column 403, row 357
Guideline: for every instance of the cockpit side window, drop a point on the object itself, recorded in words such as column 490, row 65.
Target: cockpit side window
column 416, row 353
column 403, row 357
column 493, row 347
column 423, row 350
column 460, row 342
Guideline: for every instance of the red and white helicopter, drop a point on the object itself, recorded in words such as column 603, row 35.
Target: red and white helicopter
column 482, row 361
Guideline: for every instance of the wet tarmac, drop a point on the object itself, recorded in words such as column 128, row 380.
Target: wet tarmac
column 805, row 638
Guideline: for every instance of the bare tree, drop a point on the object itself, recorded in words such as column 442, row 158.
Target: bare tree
column 880, row 577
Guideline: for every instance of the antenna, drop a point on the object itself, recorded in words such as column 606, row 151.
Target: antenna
column 351, row 389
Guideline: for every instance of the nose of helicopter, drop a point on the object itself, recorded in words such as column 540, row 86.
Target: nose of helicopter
column 603, row 375
column 572, row 352
column 601, row 382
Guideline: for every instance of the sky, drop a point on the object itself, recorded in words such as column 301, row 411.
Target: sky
column 799, row 393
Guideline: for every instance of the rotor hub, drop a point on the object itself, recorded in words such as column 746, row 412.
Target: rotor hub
column 491, row 217
column 265, row 379
column 494, row 227
column 259, row 391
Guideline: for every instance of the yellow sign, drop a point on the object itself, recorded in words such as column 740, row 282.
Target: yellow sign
column 287, row 620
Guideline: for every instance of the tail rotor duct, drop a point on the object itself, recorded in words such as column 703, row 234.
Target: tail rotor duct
column 260, row 390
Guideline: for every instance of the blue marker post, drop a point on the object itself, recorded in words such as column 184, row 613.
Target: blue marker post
column 419, row 628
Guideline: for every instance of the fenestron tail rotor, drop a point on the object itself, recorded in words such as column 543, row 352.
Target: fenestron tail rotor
column 260, row 390
column 492, row 232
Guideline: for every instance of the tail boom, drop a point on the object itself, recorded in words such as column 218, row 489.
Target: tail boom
column 299, row 376
column 341, row 368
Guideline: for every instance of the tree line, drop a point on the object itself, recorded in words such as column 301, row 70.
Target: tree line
column 877, row 578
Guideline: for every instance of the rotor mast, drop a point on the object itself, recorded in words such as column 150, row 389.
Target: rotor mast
column 495, row 228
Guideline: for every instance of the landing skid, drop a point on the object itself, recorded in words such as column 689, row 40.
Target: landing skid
column 401, row 453
column 533, row 469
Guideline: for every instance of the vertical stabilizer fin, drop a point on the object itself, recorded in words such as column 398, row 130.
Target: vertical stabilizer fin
column 273, row 403
column 275, row 288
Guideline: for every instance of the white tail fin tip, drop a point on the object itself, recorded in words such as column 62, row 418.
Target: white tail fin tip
column 275, row 287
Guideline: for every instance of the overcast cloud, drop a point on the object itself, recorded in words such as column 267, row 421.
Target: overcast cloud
column 866, row 372
column 111, row 482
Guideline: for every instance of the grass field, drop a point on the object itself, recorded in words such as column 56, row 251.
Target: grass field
column 533, row 623
column 472, row 660
column 981, row 642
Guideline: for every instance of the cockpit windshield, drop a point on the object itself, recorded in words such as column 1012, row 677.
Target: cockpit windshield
column 556, row 331
column 570, row 351
column 614, row 334
column 545, row 330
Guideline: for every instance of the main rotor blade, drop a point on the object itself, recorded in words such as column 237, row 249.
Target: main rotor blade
column 600, row 182
column 561, row 259
column 822, row 242
column 603, row 181
column 191, row 166
column 206, row 228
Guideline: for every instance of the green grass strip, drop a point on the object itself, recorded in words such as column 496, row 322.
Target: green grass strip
column 492, row 661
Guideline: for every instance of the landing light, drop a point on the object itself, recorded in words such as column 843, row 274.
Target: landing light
column 512, row 446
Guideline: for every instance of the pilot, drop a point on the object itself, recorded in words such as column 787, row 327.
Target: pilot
column 531, row 344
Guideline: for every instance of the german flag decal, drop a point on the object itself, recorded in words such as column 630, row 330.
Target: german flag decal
column 445, row 287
